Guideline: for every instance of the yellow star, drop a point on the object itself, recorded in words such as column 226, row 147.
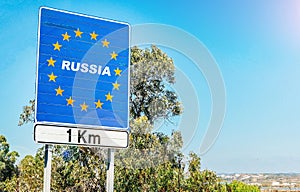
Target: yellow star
column 78, row 33
column 105, row 43
column 51, row 62
column 114, row 55
column 57, row 46
column 52, row 77
column 109, row 97
column 59, row 91
column 70, row 101
column 84, row 107
column 118, row 72
column 66, row 36
column 94, row 35
column 116, row 85
column 98, row 104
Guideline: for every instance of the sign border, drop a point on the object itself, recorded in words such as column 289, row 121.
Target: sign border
column 37, row 72
column 74, row 127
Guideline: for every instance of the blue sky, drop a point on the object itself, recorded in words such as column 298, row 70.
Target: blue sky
column 255, row 44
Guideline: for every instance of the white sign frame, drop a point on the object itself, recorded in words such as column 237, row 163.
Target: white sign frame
column 54, row 134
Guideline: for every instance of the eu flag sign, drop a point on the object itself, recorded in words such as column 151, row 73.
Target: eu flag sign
column 82, row 78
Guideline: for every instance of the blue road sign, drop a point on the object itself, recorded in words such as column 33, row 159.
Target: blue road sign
column 82, row 70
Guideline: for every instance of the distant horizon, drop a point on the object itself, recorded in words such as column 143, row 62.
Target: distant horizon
column 262, row 173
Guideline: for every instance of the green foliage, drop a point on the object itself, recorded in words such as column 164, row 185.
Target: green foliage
column 153, row 161
column 28, row 113
column 237, row 186
column 201, row 180
column 84, row 172
column 31, row 173
column 147, row 149
column 30, row 177
column 150, row 71
column 7, row 162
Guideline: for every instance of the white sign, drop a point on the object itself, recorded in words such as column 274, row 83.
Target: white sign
column 80, row 136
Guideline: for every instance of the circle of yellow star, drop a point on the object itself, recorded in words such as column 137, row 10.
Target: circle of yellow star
column 52, row 77
column 98, row 104
column 94, row 35
column 57, row 46
column 78, row 33
column 105, row 43
column 70, row 101
column 51, row 62
column 66, row 36
column 84, row 107
column 114, row 55
column 116, row 85
column 118, row 72
column 109, row 97
column 59, row 91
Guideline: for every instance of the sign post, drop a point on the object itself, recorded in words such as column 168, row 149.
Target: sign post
column 82, row 83
column 47, row 168
column 110, row 170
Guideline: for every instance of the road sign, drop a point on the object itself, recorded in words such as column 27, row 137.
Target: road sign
column 81, row 136
column 82, row 77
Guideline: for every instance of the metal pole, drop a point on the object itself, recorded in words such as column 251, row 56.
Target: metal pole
column 47, row 168
column 110, row 171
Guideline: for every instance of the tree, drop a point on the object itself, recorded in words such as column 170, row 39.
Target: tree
column 81, row 171
column 28, row 113
column 150, row 71
column 7, row 162
column 237, row 186
column 31, row 173
column 204, row 181
column 30, row 177
column 153, row 160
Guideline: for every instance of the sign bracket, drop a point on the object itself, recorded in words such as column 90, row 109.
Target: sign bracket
column 110, row 170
